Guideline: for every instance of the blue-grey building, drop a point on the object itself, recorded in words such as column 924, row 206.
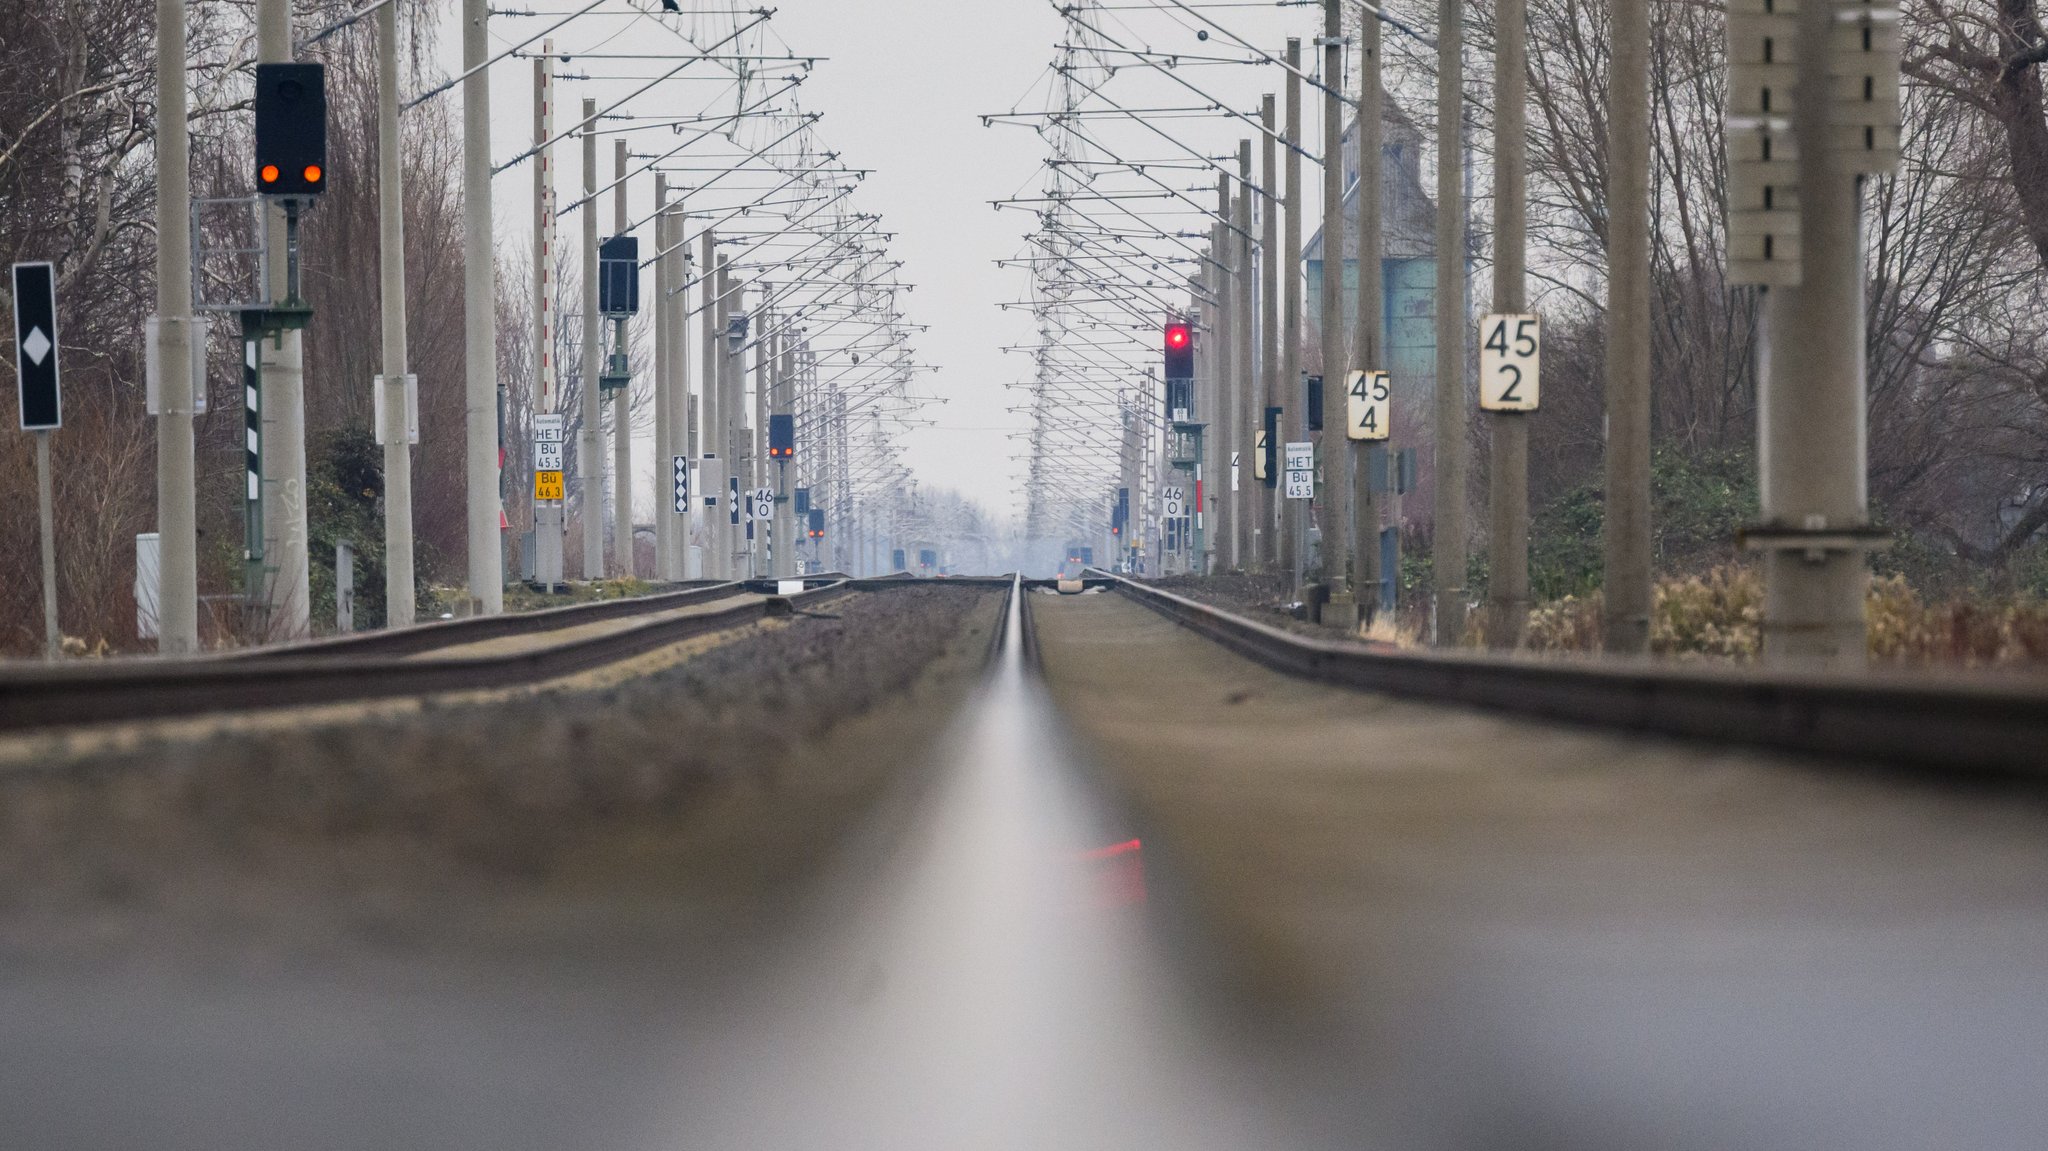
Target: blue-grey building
column 1408, row 259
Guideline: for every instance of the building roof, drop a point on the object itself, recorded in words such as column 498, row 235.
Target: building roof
column 1407, row 214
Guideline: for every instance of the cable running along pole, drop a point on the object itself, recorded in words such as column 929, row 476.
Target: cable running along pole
column 1448, row 532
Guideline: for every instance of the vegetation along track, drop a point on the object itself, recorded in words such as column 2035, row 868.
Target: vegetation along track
column 1988, row 725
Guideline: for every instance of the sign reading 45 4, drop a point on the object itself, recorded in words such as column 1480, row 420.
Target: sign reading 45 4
column 1510, row 348
column 1370, row 408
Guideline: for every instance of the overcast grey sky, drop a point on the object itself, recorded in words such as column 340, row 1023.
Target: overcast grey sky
column 901, row 94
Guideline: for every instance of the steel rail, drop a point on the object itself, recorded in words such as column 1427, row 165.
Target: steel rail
column 1979, row 727
column 80, row 694
column 450, row 633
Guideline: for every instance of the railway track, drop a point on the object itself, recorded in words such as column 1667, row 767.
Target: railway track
column 1972, row 726
column 385, row 665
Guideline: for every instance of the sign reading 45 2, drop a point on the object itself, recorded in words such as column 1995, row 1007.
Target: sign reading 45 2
column 1370, row 408
column 1510, row 348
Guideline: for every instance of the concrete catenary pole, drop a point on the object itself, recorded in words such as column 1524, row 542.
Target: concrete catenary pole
column 1244, row 341
column 590, row 438
column 288, row 598
column 547, row 514
column 1335, row 491
column 1368, row 341
column 666, row 371
column 757, row 435
column 1449, row 477
column 664, row 447
column 787, row 533
column 1205, row 287
column 622, row 404
column 1508, row 470
column 1293, row 425
column 1265, row 501
column 711, row 504
column 1229, row 414
column 1626, row 613
column 176, row 520
column 682, row 441
column 1812, row 423
column 398, row 569
column 730, row 465
column 1223, row 402
column 479, row 320
column 1214, row 409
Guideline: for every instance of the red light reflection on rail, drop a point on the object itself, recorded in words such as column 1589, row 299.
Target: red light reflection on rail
column 1119, row 871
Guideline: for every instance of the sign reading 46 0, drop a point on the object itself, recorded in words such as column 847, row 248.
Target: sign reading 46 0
column 1510, row 348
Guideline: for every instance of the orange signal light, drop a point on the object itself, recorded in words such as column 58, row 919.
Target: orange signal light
column 270, row 173
column 313, row 173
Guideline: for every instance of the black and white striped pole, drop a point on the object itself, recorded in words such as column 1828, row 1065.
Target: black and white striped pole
column 252, row 454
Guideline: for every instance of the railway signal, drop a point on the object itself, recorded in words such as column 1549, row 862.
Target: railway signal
column 1179, row 341
column 291, row 129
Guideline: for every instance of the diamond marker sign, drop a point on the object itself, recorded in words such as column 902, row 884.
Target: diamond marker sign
column 35, row 346
column 682, row 484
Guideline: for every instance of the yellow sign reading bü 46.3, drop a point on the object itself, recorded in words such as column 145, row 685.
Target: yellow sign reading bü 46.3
column 547, row 485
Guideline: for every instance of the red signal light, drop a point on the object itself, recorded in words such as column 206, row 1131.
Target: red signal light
column 270, row 173
column 313, row 173
column 1177, row 336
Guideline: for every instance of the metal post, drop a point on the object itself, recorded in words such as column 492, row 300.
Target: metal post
column 286, row 596
column 1508, row 471
column 344, row 587
column 1335, row 491
column 1812, row 425
column 547, row 514
column 46, row 519
column 1293, row 424
column 622, row 402
column 1368, row 341
column 590, row 438
column 398, row 570
column 177, row 524
column 1626, row 621
column 479, row 321
column 1449, row 477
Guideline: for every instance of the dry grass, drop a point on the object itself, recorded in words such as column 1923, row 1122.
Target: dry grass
column 1716, row 615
